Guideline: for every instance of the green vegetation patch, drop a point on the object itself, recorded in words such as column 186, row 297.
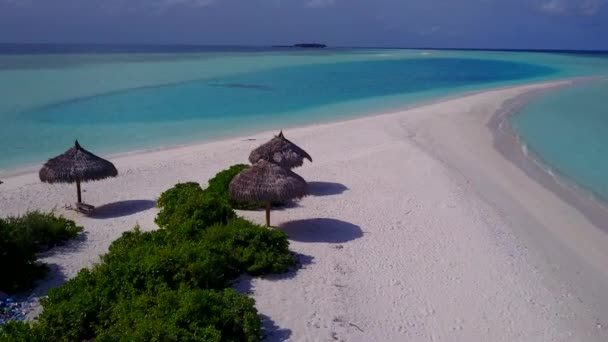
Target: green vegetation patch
column 21, row 238
column 169, row 284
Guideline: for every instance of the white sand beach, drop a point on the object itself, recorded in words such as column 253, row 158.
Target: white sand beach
column 417, row 229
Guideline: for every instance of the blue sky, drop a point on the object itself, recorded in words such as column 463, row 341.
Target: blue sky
column 563, row 24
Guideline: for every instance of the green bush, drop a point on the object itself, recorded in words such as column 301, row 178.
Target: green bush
column 186, row 209
column 161, row 314
column 137, row 262
column 42, row 231
column 172, row 198
column 21, row 238
column 219, row 184
column 172, row 201
column 251, row 248
column 147, row 260
column 73, row 311
column 168, row 284
column 140, row 264
column 14, row 331
column 184, row 315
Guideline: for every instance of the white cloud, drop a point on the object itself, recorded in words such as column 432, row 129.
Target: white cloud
column 571, row 7
column 320, row 3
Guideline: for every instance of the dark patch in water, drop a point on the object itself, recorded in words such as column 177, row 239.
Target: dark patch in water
column 241, row 85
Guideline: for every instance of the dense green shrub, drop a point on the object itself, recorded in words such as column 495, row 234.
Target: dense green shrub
column 21, row 238
column 170, row 199
column 251, row 248
column 73, row 311
column 174, row 199
column 143, row 263
column 184, row 315
column 168, row 284
column 194, row 213
column 14, row 331
column 41, row 231
column 147, row 260
column 161, row 314
column 137, row 262
column 219, row 184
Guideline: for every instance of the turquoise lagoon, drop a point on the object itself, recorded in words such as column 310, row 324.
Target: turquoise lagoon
column 119, row 102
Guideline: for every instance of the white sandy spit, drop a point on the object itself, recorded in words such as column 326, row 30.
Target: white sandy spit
column 417, row 229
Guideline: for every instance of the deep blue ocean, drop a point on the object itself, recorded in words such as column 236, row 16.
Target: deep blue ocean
column 123, row 98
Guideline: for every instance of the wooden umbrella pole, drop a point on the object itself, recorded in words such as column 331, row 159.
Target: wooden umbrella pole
column 267, row 214
column 78, row 189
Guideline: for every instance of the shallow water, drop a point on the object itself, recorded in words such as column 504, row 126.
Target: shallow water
column 116, row 102
column 568, row 131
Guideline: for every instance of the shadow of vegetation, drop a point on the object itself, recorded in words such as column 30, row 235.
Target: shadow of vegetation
column 302, row 261
column 320, row 189
column 122, row 208
column 69, row 246
column 243, row 285
column 55, row 278
column 272, row 332
column 321, row 230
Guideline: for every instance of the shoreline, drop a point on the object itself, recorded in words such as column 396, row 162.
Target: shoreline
column 417, row 228
column 10, row 172
column 510, row 145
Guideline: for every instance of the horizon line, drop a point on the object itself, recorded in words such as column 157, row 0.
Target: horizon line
column 288, row 46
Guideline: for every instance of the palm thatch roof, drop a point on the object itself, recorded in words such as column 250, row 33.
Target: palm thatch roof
column 267, row 182
column 281, row 151
column 76, row 165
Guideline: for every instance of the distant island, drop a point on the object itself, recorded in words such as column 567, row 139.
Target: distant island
column 303, row 45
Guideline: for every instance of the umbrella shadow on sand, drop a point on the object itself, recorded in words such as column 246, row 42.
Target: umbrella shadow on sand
column 320, row 189
column 122, row 208
column 321, row 230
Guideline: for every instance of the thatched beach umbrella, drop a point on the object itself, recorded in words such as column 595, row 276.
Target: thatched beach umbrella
column 281, row 151
column 269, row 183
column 76, row 165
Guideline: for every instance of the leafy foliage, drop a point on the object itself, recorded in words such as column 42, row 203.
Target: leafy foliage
column 184, row 315
column 188, row 209
column 21, row 238
column 250, row 248
column 186, row 199
column 219, row 184
column 147, row 260
column 172, row 198
column 168, row 284
column 14, row 331
column 157, row 274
